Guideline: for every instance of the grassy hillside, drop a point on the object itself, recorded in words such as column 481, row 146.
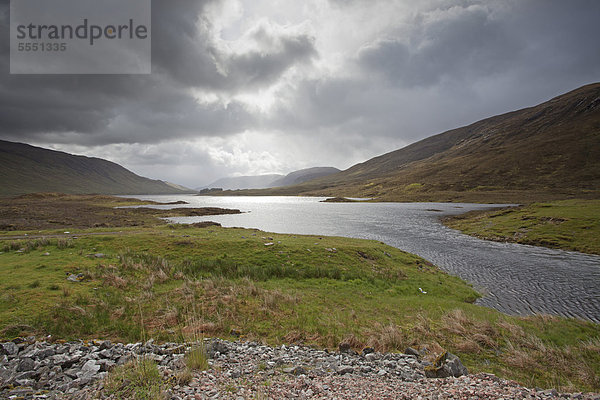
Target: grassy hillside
column 567, row 224
column 304, row 175
column 148, row 280
column 546, row 152
column 29, row 169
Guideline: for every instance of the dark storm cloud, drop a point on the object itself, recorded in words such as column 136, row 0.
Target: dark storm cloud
column 460, row 44
column 406, row 70
column 476, row 41
column 183, row 49
column 453, row 65
column 101, row 109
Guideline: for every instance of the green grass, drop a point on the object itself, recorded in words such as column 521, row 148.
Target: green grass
column 310, row 289
column 196, row 359
column 136, row 380
column 567, row 224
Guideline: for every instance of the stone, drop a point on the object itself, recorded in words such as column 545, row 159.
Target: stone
column 216, row 347
column 75, row 278
column 295, row 370
column 26, row 364
column 345, row 369
column 412, row 352
column 10, row 348
column 455, row 366
column 446, row 365
column 550, row 393
column 106, row 365
column 26, row 375
column 44, row 353
column 105, row 353
column 368, row 350
column 344, row 347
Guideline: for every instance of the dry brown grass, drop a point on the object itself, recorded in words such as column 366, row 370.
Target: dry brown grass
column 468, row 346
column 110, row 277
column 387, row 338
column 354, row 342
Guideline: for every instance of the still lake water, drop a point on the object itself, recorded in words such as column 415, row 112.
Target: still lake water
column 515, row 279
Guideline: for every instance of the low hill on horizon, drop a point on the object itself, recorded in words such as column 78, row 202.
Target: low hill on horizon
column 29, row 169
column 551, row 150
column 270, row 180
column 243, row 182
column 304, row 175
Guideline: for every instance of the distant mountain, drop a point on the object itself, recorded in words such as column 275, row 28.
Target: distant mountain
column 548, row 151
column 244, row 182
column 270, row 180
column 303, row 175
column 29, row 169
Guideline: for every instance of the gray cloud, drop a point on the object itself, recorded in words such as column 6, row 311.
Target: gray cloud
column 103, row 109
column 452, row 65
column 393, row 80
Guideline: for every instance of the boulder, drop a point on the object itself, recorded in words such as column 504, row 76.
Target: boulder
column 447, row 364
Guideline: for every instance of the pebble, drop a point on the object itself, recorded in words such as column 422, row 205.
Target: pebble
column 243, row 370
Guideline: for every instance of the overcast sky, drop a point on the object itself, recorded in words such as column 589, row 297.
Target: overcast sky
column 245, row 87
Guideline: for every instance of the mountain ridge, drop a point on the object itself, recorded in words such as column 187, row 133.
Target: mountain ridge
column 27, row 169
column 270, row 180
column 551, row 150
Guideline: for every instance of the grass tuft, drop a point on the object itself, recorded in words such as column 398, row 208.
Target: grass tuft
column 137, row 380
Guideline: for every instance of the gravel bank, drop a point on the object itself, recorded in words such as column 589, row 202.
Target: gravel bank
column 31, row 369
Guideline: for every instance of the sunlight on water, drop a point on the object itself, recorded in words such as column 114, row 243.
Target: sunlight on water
column 516, row 279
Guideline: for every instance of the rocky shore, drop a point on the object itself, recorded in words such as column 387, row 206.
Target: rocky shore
column 31, row 369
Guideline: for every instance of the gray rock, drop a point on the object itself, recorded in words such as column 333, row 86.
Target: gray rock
column 368, row 350
column 345, row 369
column 106, row 365
column 10, row 348
column 26, row 364
column 106, row 344
column 75, row 278
column 26, row 375
column 412, row 352
column 106, row 354
column 44, row 353
column 216, row 347
column 71, row 373
column 455, row 366
column 446, row 365
column 297, row 370
column 21, row 392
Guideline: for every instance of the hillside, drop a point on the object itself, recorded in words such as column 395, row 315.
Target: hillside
column 304, row 175
column 271, row 180
column 244, row 182
column 28, row 169
column 544, row 152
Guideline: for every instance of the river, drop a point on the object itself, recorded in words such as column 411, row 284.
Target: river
column 515, row 279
